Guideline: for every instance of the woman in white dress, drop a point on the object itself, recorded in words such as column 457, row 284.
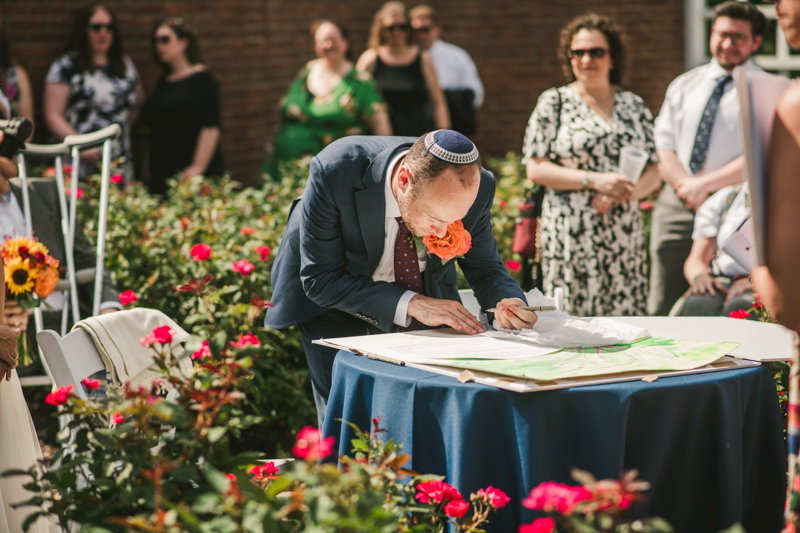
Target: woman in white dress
column 19, row 447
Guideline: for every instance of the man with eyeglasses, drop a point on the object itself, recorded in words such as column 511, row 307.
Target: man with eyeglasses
column 457, row 74
column 697, row 137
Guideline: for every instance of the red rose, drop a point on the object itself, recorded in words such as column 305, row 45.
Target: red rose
column 201, row 252
column 59, row 397
column 246, row 231
column 457, row 241
column 456, row 508
column 127, row 297
column 163, row 334
column 512, row 265
column 437, row 492
column 204, row 351
column 80, row 193
column 91, row 384
column 494, row 497
column 309, row 446
column 117, row 419
column 551, row 496
column 540, row 525
column 263, row 251
column 244, row 340
column 646, row 205
column 741, row 314
column 243, row 267
column 116, row 178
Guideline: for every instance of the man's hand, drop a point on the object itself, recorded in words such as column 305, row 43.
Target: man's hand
column 435, row 312
column 15, row 316
column 738, row 287
column 705, row 283
column 510, row 316
column 693, row 191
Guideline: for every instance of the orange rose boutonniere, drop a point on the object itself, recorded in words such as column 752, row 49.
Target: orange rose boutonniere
column 456, row 242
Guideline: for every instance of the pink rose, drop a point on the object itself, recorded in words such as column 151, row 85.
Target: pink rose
column 243, row 267
column 201, row 252
column 204, row 351
column 160, row 335
column 494, row 497
column 437, row 492
column 503, row 203
column 80, row 193
column 551, row 496
column 247, row 231
column 117, row 419
column 309, row 446
column 91, row 384
column 263, row 251
column 127, row 297
column 456, row 509
column 59, row 397
column 540, row 525
column 244, row 340
column 117, row 178
column 646, row 205
column 512, row 265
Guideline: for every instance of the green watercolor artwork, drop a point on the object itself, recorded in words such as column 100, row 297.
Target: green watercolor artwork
column 653, row 354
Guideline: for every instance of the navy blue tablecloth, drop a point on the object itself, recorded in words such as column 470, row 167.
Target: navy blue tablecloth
column 711, row 444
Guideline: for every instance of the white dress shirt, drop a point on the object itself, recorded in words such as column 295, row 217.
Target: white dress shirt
column 708, row 222
column 456, row 70
column 684, row 103
column 385, row 270
column 12, row 224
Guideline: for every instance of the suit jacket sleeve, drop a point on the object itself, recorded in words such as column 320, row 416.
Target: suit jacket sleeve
column 330, row 277
column 482, row 265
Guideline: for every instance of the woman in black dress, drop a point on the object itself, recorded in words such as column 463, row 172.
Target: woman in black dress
column 404, row 74
column 183, row 113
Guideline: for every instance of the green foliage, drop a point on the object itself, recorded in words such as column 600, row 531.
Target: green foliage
column 148, row 251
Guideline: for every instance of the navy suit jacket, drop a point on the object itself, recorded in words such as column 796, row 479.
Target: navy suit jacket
column 335, row 235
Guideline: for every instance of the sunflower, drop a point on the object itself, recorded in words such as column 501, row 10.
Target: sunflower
column 11, row 246
column 19, row 277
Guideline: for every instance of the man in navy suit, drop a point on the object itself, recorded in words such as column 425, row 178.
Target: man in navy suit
column 334, row 274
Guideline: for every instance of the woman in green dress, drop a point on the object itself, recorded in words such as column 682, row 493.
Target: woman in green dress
column 328, row 100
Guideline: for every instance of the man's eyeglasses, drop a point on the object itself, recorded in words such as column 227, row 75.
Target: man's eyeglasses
column 594, row 53
column 736, row 38
column 423, row 29
column 162, row 39
column 97, row 27
column 398, row 27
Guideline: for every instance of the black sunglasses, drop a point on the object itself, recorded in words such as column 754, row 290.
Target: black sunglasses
column 162, row 39
column 97, row 27
column 594, row 53
column 400, row 27
column 423, row 29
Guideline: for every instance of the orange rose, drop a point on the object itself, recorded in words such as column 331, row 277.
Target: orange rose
column 47, row 279
column 457, row 241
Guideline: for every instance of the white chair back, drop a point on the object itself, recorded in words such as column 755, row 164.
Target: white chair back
column 469, row 302
column 70, row 358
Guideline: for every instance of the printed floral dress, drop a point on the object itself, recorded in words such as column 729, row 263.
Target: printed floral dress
column 11, row 90
column 599, row 260
column 98, row 99
column 309, row 123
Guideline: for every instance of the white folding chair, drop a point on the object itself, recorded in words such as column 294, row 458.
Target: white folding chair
column 73, row 144
column 71, row 358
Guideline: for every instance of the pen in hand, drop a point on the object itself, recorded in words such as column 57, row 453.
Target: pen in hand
column 530, row 308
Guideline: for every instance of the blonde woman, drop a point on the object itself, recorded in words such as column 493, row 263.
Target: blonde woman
column 404, row 74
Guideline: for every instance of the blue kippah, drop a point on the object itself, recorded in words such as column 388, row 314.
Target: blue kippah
column 450, row 146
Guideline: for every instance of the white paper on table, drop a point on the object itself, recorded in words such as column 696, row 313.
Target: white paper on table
column 559, row 330
column 429, row 345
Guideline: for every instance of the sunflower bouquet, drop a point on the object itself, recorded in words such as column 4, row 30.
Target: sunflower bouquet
column 28, row 270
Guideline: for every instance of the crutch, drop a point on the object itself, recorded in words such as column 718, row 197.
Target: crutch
column 52, row 152
column 78, row 143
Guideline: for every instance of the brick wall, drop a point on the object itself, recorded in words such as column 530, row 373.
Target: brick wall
column 255, row 47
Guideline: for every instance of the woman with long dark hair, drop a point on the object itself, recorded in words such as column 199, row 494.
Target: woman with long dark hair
column 93, row 85
column 183, row 113
column 14, row 82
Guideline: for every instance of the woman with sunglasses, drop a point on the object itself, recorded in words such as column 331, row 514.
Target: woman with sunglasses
column 328, row 100
column 94, row 85
column 592, row 238
column 183, row 113
column 404, row 74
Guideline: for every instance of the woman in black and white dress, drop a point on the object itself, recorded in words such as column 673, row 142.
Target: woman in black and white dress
column 592, row 239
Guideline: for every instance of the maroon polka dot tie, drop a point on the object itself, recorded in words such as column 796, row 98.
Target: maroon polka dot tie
column 406, row 266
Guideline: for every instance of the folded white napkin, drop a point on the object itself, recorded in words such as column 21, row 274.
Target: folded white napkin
column 560, row 330
column 117, row 336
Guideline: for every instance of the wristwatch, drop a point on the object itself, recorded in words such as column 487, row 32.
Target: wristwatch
column 585, row 180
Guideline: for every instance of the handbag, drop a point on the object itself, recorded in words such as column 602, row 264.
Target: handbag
column 530, row 210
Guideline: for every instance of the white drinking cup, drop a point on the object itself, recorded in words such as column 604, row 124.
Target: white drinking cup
column 632, row 162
